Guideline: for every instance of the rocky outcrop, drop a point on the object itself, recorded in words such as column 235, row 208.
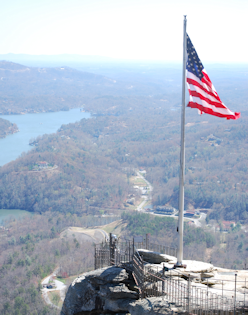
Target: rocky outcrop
column 98, row 290
column 155, row 257
column 151, row 306
column 109, row 290
column 112, row 290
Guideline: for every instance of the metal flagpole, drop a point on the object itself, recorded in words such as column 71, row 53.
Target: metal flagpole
column 182, row 155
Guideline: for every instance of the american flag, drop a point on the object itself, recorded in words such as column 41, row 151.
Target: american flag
column 202, row 94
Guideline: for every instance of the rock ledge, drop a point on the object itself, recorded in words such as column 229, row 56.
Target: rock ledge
column 109, row 290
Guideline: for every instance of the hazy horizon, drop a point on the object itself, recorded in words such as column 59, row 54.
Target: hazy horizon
column 13, row 57
column 125, row 29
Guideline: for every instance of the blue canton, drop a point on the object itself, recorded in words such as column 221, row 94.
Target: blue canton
column 194, row 64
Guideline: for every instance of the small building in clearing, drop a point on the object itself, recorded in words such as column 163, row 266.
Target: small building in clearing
column 164, row 210
column 42, row 164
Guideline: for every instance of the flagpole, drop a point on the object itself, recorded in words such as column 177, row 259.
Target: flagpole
column 182, row 156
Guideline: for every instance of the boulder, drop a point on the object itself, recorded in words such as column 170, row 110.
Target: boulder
column 207, row 274
column 197, row 266
column 150, row 306
column 107, row 275
column 121, row 305
column 117, row 291
column 173, row 273
column 81, row 296
column 90, row 291
column 210, row 281
column 155, row 257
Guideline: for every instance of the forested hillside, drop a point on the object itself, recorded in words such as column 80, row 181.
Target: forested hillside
column 34, row 90
column 95, row 157
column 227, row 250
column 149, row 137
column 79, row 177
column 7, row 128
column 89, row 163
column 33, row 248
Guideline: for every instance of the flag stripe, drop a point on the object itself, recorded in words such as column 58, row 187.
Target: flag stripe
column 192, row 76
column 207, row 80
column 211, row 112
column 192, row 84
column 207, row 99
column 202, row 92
column 202, row 96
column 201, row 102
column 204, row 84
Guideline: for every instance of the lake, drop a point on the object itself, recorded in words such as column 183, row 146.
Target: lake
column 5, row 214
column 32, row 126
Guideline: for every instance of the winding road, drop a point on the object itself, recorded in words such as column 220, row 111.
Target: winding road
column 198, row 222
column 146, row 198
column 59, row 286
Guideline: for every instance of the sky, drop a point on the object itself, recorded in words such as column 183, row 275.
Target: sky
column 126, row 29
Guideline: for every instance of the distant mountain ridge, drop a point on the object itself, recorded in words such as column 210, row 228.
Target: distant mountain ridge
column 32, row 89
column 61, row 59
column 59, row 56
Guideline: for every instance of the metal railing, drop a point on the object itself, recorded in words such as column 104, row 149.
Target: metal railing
column 182, row 291
column 177, row 287
column 114, row 252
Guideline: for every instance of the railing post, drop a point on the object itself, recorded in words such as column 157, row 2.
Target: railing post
column 178, row 293
column 95, row 257
column 110, row 249
column 222, row 290
column 244, row 292
column 129, row 251
column 142, row 278
column 188, row 308
column 235, row 294
column 133, row 246
column 167, row 286
column 147, row 241
column 163, row 282
column 207, row 296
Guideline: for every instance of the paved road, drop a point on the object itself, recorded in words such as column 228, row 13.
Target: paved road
column 150, row 189
column 148, row 184
column 59, row 286
column 105, row 234
column 140, row 206
column 198, row 222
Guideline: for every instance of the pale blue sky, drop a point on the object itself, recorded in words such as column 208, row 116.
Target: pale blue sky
column 137, row 29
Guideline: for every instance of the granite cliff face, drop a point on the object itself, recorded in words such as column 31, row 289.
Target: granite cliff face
column 109, row 290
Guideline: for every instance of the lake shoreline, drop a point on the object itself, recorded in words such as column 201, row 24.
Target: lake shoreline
column 31, row 126
column 6, row 214
column 10, row 112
